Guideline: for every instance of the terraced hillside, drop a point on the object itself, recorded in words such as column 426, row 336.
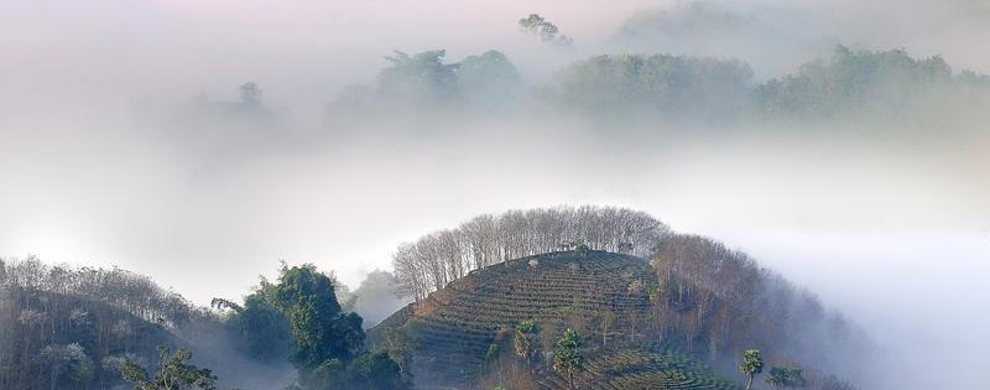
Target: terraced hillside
column 451, row 333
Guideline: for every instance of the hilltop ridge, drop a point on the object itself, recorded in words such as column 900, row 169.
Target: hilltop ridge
column 450, row 334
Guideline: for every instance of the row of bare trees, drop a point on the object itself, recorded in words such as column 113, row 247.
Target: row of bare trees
column 438, row 258
column 134, row 293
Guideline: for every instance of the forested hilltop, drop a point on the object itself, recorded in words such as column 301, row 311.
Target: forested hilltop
column 585, row 315
column 688, row 294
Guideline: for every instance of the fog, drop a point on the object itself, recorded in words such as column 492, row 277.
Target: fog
column 102, row 162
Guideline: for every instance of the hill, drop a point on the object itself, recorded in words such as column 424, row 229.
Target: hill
column 63, row 327
column 462, row 334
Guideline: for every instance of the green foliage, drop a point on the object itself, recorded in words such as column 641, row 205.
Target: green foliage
column 327, row 344
column 173, row 374
column 566, row 359
column 527, row 338
column 375, row 371
column 320, row 331
column 369, row 371
column 262, row 330
column 786, row 377
column 751, row 366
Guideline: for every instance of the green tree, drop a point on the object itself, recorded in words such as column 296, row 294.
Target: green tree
column 606, row 321
column 263, row 331
column 567, row 360
column 526, row 340
column 751, row 366
column 786, row 377
column 375, row 371
column 327, row 344
column 320, row 331
column 173, row 373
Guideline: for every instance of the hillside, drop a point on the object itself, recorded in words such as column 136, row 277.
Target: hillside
column 51, row 340
column 71, row 328
column 449, row 335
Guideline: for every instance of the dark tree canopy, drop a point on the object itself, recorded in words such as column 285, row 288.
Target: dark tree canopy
column 263, row 331
column 320, row 330
column 299, row 317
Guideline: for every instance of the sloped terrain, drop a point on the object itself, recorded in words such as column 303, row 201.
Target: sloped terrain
column 632, row 369
column 451, row 331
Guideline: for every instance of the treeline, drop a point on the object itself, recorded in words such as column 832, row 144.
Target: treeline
column 436, row 259
column 716, row 301
column 849, row 83
column 658, row 84
column 862, row 81
column 71, row 328
column 133, row 293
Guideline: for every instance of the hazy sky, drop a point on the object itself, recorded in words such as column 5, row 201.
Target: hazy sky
column 892, row 231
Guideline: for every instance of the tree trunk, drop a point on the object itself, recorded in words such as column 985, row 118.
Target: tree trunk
column 749, row 384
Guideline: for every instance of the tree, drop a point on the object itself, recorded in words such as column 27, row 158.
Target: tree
column 375, row 371
column 263, row 331
column 786, row 377
column 250, row 94
column 527, row 337
column 320, row 331
column 566, row 359
column 173, row 373
column 751, row 366
column 327, row 344
column 68, row 362
column 544, row 29
column 606, row 320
